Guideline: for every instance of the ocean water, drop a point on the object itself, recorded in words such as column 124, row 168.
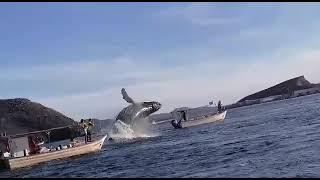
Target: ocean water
column 277, row 139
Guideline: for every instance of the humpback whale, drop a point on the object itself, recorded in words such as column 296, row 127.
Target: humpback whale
column 136, row 110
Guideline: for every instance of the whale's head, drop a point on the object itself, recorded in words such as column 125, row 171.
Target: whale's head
column 150, row 107
column 153, row 106
column 137, row 111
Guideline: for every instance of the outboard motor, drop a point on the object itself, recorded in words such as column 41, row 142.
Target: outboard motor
column 175, row 124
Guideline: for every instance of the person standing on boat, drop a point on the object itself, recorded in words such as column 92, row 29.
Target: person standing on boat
column 219, row 107
column 90, row 125
column 85, row 129
column 184, row 115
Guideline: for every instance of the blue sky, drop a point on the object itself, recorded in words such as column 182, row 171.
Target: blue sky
column 76, row 57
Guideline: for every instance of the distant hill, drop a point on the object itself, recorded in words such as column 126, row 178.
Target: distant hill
column 285, row 87
column 160, row 117
column 316, row 85
column 21, row 115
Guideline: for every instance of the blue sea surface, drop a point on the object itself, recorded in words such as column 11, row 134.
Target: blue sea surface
column 276, row 139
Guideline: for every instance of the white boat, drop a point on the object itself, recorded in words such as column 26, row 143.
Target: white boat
column 200, row 120
column 66, row 151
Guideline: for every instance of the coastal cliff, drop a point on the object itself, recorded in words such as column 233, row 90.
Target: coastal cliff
column 286, row 87
column 21, row 115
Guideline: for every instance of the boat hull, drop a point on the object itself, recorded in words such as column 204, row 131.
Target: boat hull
column 14, row 163
column 205, row 120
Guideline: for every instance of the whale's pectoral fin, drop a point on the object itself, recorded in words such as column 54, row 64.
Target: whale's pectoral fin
column 125, row 96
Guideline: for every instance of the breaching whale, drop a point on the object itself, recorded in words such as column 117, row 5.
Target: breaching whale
column 136, row 110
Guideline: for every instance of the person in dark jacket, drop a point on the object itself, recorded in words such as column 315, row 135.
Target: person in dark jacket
column 219, row 107
column 184, row 116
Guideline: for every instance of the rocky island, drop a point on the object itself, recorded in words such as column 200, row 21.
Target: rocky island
column 291, row 88
column 21, row 115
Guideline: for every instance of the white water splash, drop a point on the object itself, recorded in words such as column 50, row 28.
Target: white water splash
column 122, row 130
